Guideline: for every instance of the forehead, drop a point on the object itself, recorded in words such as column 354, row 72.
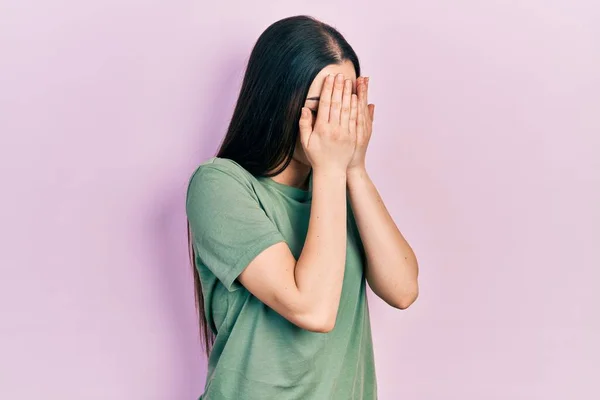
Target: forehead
column 346, row 68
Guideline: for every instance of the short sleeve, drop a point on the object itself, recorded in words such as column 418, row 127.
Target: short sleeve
column 228, row 225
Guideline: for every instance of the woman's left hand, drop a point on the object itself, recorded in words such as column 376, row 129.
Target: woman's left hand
column 364, row 124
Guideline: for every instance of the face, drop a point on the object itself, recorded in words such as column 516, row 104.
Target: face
column 312, row 99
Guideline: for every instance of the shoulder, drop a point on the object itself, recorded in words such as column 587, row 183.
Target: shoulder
column 222, row 170
column 219, row 174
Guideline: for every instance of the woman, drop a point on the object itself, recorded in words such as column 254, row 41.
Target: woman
column 286, row 228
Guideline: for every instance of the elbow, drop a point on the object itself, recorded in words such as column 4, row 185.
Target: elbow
column 323, row 326
column 319, row 322
column 405, row 298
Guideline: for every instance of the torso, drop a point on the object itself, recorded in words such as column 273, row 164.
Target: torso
column 260, row 355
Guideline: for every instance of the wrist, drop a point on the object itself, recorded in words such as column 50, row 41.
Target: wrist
column 330, row 173
column 356, row 171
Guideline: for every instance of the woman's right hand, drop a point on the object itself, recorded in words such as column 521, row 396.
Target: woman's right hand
column 329, row 145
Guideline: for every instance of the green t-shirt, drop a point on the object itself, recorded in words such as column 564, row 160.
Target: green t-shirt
column 258, row 354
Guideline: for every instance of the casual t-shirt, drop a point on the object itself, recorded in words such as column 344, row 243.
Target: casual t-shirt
column 258, row 354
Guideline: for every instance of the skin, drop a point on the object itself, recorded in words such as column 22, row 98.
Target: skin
column 297, row 171
column 334, row 135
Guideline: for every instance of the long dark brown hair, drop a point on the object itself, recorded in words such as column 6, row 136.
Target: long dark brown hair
column 263, row 130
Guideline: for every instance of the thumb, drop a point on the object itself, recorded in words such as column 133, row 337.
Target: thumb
column 305, row 124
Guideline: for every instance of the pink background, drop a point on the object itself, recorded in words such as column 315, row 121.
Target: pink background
column 486, row 150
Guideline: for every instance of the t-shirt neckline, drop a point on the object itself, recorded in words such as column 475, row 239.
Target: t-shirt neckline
column 291, row 191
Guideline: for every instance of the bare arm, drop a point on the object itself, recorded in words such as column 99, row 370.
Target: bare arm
column 307, row 292
column 392, row 268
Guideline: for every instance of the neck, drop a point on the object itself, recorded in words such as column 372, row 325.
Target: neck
column 295, row 174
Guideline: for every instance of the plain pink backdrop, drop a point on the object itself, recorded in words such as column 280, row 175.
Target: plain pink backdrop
column 486, row 149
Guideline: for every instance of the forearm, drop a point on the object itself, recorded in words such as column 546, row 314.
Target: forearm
column 392, row 268
column 320, row 268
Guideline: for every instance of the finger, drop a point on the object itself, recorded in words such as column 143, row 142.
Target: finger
column 353, row 114
column 325, row 100
column 305, row 125
column 336, row 100
column 360, row 119
column 360, row 81
column 372, row 111
column 346, row 100
column 364, row 92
